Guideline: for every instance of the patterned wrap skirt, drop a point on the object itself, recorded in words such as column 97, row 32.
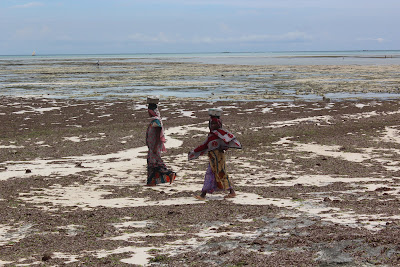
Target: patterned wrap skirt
column 157, row 171
column 216, row 178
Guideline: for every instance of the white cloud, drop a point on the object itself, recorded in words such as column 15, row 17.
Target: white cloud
column 163, row 38
column 286, row 37
column 224, row 28
column 24, row 33
column 159, row 38
column 32, row 33
column 379, row 40
column 29, row 5
column 356, row 4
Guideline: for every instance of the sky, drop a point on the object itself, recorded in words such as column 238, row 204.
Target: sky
column 194, row 26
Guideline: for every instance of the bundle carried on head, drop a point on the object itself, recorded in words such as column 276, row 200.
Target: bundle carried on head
column 215, row 112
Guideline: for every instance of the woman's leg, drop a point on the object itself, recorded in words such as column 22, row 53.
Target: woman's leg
column 202, row 196
column 209, row 184
column 231, row 194
column 151, row 181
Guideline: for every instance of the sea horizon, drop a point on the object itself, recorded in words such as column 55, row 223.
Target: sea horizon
column 355, row 51
column 340, row 57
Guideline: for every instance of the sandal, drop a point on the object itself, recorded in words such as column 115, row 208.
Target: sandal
column 172, row 178
column 200, row 198
column 152, row 183
column 230, row 195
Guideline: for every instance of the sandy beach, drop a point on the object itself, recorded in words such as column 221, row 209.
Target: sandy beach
column 308, row 147
column 317, row 184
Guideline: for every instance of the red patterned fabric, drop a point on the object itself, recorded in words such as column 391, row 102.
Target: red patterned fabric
column 217, row 139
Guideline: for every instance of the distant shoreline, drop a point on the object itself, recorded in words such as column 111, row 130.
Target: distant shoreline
column 224, row 53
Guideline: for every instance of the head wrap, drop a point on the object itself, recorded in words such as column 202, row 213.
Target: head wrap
column 155, row 113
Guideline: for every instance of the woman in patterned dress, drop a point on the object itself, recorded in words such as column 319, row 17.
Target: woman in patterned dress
column 218, row 141
column 157, row 171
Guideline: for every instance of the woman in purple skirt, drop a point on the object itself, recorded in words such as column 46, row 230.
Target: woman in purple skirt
column 218, row 141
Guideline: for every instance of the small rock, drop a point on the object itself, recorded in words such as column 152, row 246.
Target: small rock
column 46, row 257
column 28, row 171
column 326, row 99
column 383, row 189
column 258, row 242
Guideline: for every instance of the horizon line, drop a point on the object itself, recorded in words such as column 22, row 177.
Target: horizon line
column 215, row 52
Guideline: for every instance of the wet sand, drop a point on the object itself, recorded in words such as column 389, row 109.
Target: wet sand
column 317, row 184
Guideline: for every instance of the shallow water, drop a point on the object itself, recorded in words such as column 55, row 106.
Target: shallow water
column 363, row 57
column 215, row 76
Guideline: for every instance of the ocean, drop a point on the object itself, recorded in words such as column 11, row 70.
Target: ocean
column 269, row 76
column 362, row 57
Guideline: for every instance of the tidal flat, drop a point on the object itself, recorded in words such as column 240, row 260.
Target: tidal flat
column 317, row 181
column 114, row 78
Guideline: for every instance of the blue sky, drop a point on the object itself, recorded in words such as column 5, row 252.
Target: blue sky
column 173, row 26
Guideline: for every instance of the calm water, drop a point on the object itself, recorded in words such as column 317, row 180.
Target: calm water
column 262, row 58
column 79, row 76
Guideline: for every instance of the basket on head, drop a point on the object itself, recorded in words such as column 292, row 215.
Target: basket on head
column 153, row 100
column 215, row 112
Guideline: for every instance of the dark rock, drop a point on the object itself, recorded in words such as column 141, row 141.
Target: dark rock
column 383, row 189
column 46, row 257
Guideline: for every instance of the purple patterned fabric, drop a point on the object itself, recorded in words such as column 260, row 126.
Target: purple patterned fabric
column 210, row 184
